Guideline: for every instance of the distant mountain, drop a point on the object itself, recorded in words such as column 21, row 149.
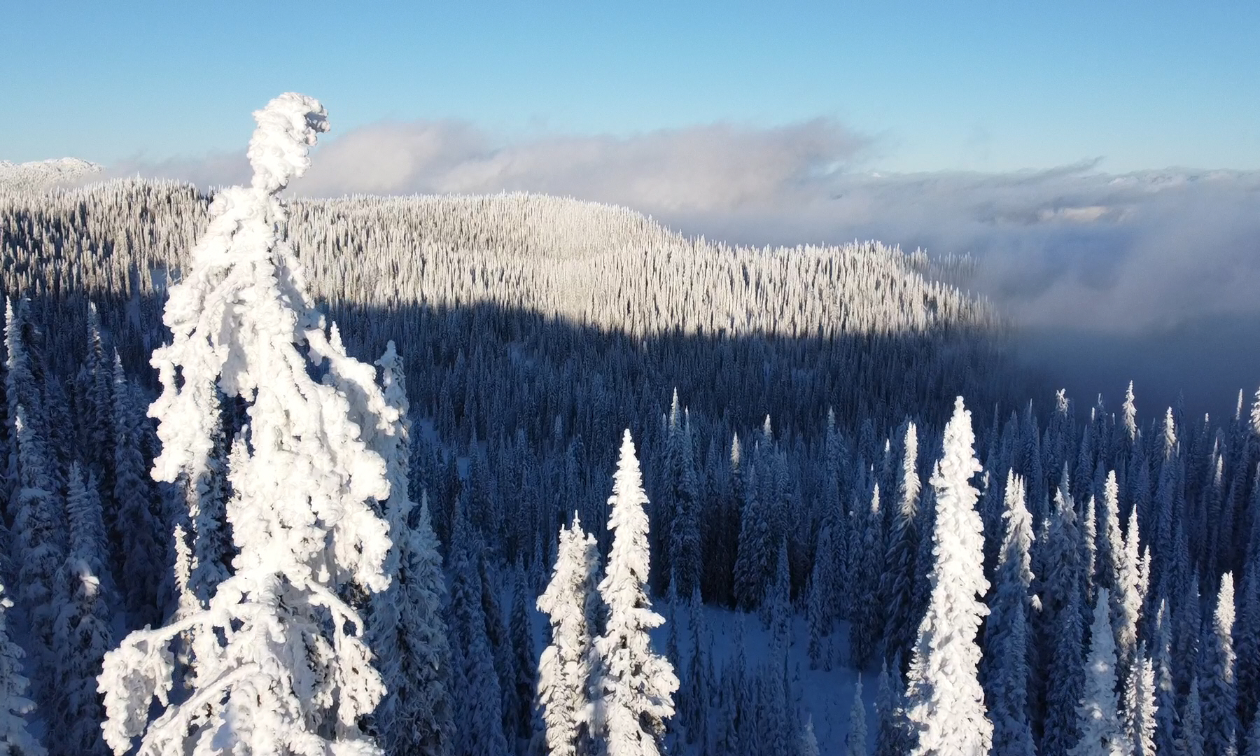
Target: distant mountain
column 43, row 174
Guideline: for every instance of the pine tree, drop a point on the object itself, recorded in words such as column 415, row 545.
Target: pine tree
column 135, row 527
column 818, row 610
column 752, row 562
column 1165, row 690
column 1064, row 678
column 284, row 666
column 477, row 694
column 15, row 736
column 855, row 738
column 890, row 733
column 809, row 741
column 868, row 620
column 946, row 702
column 82, row 631
column 405, row 626
column 903, row 545
column 526, row 666
column 697, row 685
column 564, row 671
column 1140, row 709
column 36, row 530
column 1101, row 732
column 1190, row 725
column 1217, row 687
column 1005, row 662
column 635, row 685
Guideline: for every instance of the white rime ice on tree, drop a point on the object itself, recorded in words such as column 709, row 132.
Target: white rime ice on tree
column 1098, row 713
column 564, row 670
column 281, row 667
column 15, row 739
column 945, row 700
column 635, row 684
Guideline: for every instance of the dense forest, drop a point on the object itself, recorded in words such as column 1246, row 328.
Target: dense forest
column 410, row 474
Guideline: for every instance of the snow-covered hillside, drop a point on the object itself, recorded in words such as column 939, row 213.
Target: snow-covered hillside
column 43, row 174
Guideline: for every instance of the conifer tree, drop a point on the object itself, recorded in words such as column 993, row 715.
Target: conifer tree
column 1190, row 725
column 82, row 632
column 903, row 545
column 477, row 693
column 855, row 737
column 890, row 733
column 526, row 661
column 406, row 628
column 136, row 528
column 1064, row 679
column 1005, row 662
column 752, row 562
column 15, row 708
column 1217, row 687
column 946, row 702
column 1140, row 709
column 634, row 684
column 1101, row 732
column 1165, row 689
column 564, row 671
column 284, row 666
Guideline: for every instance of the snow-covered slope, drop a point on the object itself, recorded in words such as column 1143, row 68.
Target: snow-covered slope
column 43, row 174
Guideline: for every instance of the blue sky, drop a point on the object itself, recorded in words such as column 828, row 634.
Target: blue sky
column 985, row 86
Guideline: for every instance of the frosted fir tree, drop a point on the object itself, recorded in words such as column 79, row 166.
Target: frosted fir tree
column 1252, row 747
column 945, row 700
column 1190, row 726
column 1217, row 685
column 37, row 529
column 855, row 738
column 477, row 689
column 1101, row 731
column 903, row 545
column 809, row 741
column 890, row 732
column 697, row 685
column 1165, row 689
column 282, row 666
column 82, row 631
column 867, row 624
column 1005, row 663
column 521, row 633
column 15, row 736
column 564, row 670
column 1140, row 709
column 406, row 626
column 136, row 527
column 634, row 684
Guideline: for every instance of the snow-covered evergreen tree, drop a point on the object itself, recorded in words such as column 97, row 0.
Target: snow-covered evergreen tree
column 903, row 545
column 890, row 732
column 1217, row 685
column 15, row 708
column 634, row 684
column 945, row 700
column 1101, row 731
column 1140, row 709
column 83, row 628
column 855, row 737
column 283, row 667
column 1005, row 662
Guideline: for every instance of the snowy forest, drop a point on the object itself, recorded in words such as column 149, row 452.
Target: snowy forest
column 523, row 475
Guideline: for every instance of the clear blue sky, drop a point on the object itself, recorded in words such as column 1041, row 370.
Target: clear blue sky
column 939, row 85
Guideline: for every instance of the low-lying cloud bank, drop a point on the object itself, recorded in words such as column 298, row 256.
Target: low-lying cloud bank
column 1068, row 250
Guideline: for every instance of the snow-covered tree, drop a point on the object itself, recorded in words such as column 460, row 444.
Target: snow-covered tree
column 809, row 741
column 1101, row 731
column 855, row 737
column 564, row 671
column 945, row 700
column 282, row 667
column 82, row 631
column 635, row 685
column 406, row 628
column 1005, row 662
column 1140, row 709
column 890, row 732
column 15, row 735
column 903, row 545
column 1217, row 686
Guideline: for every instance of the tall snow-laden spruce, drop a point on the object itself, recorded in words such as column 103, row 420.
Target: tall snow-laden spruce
column 855, row 738
column 1006, row 635
column 406, row 627
column 280, row 666
column 635, row 685
column 564, row 671
column 1217, row 686
column 945, row 700
column 1102, row 733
